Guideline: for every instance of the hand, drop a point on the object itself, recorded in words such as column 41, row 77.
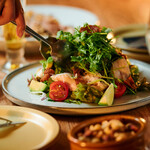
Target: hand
column 11, row 10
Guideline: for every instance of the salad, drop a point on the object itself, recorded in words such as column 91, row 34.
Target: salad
column 93, row 72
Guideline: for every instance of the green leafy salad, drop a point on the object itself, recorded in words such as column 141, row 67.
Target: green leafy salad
column 94, row 71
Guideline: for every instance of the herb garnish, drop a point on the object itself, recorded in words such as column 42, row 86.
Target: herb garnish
column 92, row 51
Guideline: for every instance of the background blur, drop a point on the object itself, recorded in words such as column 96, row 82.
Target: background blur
column 112, row 13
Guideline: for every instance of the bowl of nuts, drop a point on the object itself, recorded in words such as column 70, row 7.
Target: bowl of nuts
column 113, row 132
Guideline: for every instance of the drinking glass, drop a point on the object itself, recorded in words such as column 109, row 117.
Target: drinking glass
column 14, row 47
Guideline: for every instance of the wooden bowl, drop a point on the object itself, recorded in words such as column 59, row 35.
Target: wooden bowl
column 135, row 142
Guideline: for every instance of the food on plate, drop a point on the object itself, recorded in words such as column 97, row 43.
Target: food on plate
column 58, row 91
column 36, row 86
column 45, row 24
column 107, row 131
column 108, row 96
column 94, row 71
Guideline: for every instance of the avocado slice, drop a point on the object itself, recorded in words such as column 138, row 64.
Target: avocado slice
column 36, row 86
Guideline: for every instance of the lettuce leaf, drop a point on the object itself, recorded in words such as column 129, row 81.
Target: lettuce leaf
column 86, row 93
column 45, row 62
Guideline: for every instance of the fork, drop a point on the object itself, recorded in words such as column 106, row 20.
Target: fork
column 50, row 46
column 9, row 123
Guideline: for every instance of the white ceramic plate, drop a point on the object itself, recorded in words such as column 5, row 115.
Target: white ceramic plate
column 131, row 32
column 39, row 131
column 66, row 15
column 15, row 88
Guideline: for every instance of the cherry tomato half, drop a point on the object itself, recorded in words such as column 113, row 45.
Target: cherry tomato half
column 58, row 91
column 120, row 90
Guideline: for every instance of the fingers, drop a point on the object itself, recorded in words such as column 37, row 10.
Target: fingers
column 8, row 13
column 19, row 19
column 12, row 10
column 2, row 2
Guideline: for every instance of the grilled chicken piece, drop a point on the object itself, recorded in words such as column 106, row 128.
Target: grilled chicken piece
column 67, row 78
column 121, row 69
column 98, row 85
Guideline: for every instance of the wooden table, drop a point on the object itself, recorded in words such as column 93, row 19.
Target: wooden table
column 112, row 14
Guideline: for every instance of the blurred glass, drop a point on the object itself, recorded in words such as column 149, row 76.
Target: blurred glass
column 14, row 47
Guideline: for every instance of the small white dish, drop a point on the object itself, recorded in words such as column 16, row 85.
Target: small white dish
column 39, row 131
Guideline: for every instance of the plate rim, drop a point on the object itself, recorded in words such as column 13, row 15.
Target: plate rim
column 43, row 107
column 128, row 27
column 62, row 6
column 48, row 117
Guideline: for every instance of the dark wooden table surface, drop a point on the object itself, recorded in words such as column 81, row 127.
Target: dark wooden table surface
column 111, row 14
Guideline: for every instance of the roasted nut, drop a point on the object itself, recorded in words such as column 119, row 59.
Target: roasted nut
column 95, row 140
column 99, row 134
column 116, row 124
column 116, row 134
column 120, row 136
column 107, row 130
column 95, row 127
column 91, row 127
column 105, row 124
column 112, row 130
